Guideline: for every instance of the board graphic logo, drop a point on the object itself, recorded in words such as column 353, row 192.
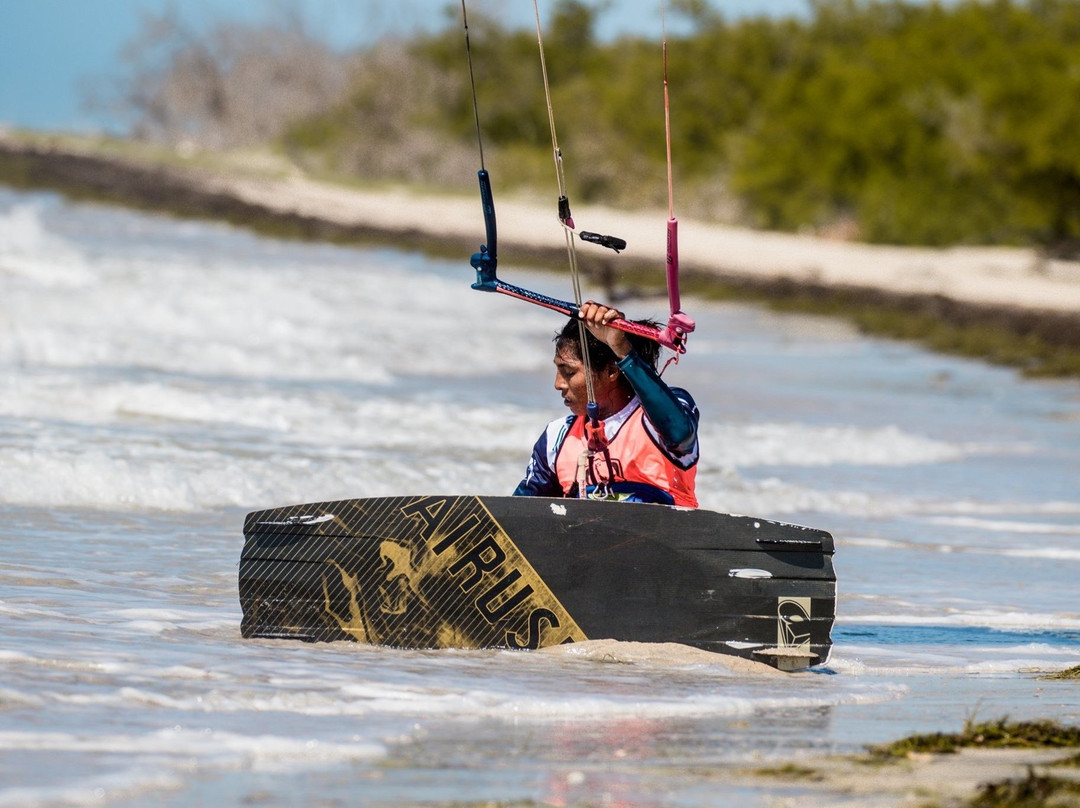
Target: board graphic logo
column 438, row 572
column 793, row 623
column 400, row 578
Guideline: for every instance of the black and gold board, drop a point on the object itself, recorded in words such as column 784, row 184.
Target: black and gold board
column 527, row 572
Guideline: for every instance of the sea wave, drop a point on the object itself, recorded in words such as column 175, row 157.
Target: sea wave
column 794, row 444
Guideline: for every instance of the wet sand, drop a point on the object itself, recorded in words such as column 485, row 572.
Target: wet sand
column 916, row 781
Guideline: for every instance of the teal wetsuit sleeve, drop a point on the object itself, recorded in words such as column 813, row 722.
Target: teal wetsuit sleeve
column 674, row 419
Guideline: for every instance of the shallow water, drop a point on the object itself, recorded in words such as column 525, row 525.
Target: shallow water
column 160, row 379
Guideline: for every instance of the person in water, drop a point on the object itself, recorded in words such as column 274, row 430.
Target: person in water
column 651, row 429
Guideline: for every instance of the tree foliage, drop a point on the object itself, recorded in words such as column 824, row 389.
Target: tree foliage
column 912, row 123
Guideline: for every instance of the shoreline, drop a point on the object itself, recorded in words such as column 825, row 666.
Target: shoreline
column 1010, row 306
column 994, row 764
column 923, row 780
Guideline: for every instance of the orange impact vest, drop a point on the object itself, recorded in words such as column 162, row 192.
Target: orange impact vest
column 635, row 457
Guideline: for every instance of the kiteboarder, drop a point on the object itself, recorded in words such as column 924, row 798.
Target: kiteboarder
column 642, row 445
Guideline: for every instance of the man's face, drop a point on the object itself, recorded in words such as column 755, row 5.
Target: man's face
column 570, row 381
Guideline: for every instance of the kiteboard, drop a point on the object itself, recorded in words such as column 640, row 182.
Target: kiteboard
column 530, row 572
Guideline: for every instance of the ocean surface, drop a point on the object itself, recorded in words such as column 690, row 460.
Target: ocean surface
column 161, row 378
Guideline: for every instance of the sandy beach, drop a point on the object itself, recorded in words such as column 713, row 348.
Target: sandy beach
column 997, row 279
column 981, row 276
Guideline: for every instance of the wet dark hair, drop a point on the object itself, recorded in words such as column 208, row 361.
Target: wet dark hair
column 600, row 355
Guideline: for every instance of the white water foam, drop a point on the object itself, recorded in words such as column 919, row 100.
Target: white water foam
column 163, row 760
column 206, row 422
column 1021, row 621
column 766, row 444
column 30, row 254
column 1041, row 552
column 1010, row 526
column 304, row 453
column 179, row 313
column 879, row 661
column 335, row 696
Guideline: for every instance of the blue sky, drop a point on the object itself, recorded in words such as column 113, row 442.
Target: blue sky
column 50, row 50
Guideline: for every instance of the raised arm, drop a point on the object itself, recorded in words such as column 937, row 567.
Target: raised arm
column 674, row 416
